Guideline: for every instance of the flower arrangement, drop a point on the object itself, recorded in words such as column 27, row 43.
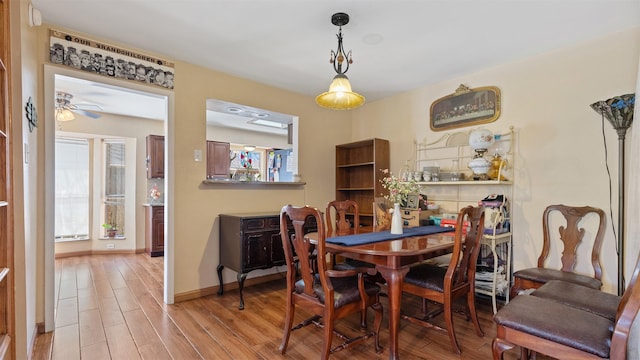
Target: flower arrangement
column 399, row 191
column 154, row 193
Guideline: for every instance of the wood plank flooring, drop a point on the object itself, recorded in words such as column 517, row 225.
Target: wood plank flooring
column 110, row 307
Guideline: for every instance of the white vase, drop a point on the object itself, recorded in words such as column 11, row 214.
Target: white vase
column 396, row 220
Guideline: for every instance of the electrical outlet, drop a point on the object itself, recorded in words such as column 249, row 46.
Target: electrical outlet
column 111, row 246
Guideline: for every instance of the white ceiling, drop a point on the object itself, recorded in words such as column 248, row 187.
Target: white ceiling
column 397, row 45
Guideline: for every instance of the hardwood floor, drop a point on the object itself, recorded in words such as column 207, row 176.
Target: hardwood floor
column 110, row 307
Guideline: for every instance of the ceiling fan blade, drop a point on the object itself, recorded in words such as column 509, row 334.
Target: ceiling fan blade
column 86, row 113
column 88, row 107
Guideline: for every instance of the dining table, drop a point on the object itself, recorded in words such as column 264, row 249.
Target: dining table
column 392, row 255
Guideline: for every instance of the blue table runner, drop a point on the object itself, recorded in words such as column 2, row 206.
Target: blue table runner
column 372, row 237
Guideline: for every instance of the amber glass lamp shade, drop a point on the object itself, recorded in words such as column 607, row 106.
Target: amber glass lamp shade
column 340, row 96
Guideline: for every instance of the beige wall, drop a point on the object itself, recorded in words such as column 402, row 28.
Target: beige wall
column 195, row 206
column 546, row 98
column 559, row 147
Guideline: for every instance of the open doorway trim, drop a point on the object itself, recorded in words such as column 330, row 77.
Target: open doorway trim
column 49, row 156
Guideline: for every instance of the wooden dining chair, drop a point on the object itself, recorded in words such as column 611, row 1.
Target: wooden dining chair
column 445, row 284
column 571, row 236
column 338, row 213
column 570, row 326
column 326, row 293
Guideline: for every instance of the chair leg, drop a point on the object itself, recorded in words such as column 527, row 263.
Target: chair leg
column 288, row 323
column 448, row 318
column 499, row 346
column 363, row 320
column 471, row 308
column 377, row 307
column 328, row 337
column 363, row 315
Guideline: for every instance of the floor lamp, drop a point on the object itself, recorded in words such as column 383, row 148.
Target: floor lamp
column 619, row 111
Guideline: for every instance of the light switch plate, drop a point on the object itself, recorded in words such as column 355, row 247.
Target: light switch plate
column 197, row 155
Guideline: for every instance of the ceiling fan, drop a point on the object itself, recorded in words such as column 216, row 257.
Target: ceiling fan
column 65, row 109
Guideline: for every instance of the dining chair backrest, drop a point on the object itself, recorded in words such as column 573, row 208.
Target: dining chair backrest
column 301, row 248
column 336, row 215
column 462, row 266
column 571, row 235
column 626, row 315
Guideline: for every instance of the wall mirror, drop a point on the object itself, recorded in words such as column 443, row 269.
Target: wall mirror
column 262, row 144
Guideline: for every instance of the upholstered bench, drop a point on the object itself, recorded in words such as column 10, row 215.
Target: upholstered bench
column 580, row 297
column 568, row 321
column 540, row 318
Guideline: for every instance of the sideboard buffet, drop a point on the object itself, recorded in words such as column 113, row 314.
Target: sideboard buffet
column 250, row 241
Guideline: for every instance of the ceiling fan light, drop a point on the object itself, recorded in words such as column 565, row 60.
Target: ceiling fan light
column 64, row 115
column 340, row 96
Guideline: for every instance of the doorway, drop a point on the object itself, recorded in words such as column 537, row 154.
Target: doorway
column 102, row 85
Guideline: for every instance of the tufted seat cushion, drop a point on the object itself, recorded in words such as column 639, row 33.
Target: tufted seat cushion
column 542, row 275
column 345, row 289
column 580, row 297
column 428, row 276
column 557, row 322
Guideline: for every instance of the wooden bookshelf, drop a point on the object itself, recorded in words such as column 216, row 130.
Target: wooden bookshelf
column 358, row 174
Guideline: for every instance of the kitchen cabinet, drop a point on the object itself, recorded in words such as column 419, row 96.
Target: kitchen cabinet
column 155, row 157
column 358, row 174
column 250, row 241
column 154, row 230
column 218, row 160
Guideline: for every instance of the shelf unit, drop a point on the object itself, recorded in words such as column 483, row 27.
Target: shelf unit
column 451, row 196
column 358, row 174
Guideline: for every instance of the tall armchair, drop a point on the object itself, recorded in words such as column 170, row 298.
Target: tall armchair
column 444, row 284
column 326, row 293
column 571, row 236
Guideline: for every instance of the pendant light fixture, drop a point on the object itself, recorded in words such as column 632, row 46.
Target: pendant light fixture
column 340, row 96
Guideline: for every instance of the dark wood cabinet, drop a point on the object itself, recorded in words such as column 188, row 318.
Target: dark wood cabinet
column 218, row 161
column 155, row 157
column 154, row 230
column 250, row 241
column 358, row 174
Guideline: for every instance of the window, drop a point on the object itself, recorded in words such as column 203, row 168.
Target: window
column 71, row 189
column 114, row 187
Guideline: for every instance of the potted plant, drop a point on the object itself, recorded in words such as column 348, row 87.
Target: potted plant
column 110, row 230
